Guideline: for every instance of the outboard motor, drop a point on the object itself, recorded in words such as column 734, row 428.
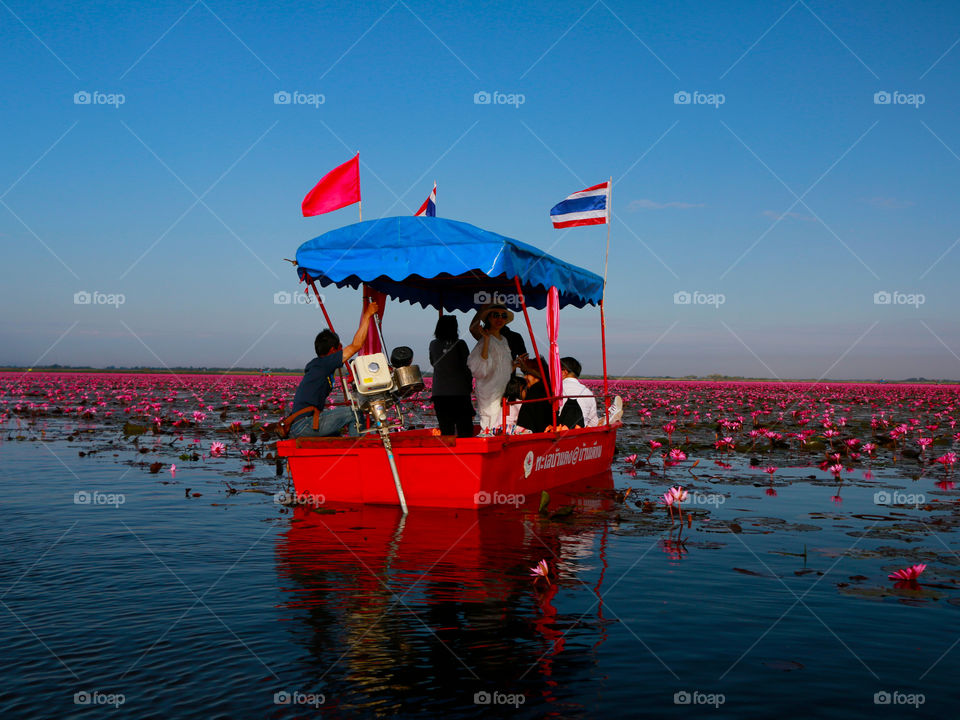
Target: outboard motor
column 406, row 376
column 401, row 356
column 379, row 389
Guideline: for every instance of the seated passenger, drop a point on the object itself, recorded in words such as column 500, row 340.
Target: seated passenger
column 536, row 416
column 574, row 389
column 571, row 416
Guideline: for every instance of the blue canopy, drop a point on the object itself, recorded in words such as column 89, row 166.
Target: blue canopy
column 443, row 264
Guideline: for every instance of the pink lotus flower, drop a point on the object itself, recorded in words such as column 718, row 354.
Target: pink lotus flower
column 173, row 470
column 677, row 455
column 654, row 444
column 910, row 573
column 947, row 459
column 770, row 470
column 631, row 458
column 245, row 438
column 217, row 449
column 541, row 570
column 724, row 444
column 674, row 495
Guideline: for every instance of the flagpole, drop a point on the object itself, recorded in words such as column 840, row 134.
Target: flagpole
column 609, row 213
column 603, row 322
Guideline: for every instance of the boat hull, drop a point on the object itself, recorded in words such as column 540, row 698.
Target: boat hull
column 444, row 471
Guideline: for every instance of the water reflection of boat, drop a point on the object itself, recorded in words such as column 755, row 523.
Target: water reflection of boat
column 450, row 266
column 436, row 605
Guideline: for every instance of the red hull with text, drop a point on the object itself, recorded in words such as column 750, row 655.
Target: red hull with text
column 443, row 471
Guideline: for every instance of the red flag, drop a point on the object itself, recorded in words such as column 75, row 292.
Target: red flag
column 338, row 188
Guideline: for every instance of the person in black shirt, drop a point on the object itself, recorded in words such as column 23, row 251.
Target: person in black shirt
column 571, row 416
column 318, row 382
column 536, row 416
column 452, row 380
column 515, row 340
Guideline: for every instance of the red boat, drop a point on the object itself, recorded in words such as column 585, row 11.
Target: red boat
column 450, row 266
column 445, row 471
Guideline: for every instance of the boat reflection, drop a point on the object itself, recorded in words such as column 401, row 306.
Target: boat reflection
column 422, row 613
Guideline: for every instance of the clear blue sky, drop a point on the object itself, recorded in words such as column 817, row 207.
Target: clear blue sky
column 97, row 197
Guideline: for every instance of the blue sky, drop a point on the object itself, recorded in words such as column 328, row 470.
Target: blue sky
column 797, row 198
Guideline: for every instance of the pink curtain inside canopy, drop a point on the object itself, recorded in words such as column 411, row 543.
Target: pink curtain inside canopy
column 553, row 329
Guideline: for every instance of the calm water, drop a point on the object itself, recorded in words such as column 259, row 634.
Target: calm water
column 209, row 606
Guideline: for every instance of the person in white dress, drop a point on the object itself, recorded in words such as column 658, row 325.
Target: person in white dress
column 491, row 364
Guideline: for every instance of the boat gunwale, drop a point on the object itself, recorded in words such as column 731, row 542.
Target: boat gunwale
column 424, row 439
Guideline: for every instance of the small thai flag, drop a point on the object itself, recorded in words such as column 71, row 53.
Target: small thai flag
column 587, row 207
column 429, row 207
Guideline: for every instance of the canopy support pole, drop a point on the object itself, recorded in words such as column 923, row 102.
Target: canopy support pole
column 603, row 322
column 533, row 340
column 603, row 347
column 320, row 303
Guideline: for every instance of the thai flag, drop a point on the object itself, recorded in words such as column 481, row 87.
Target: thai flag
column 587, row 207
column 429, row 207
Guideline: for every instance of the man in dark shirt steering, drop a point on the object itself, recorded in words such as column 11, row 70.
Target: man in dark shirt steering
column 318, row 382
